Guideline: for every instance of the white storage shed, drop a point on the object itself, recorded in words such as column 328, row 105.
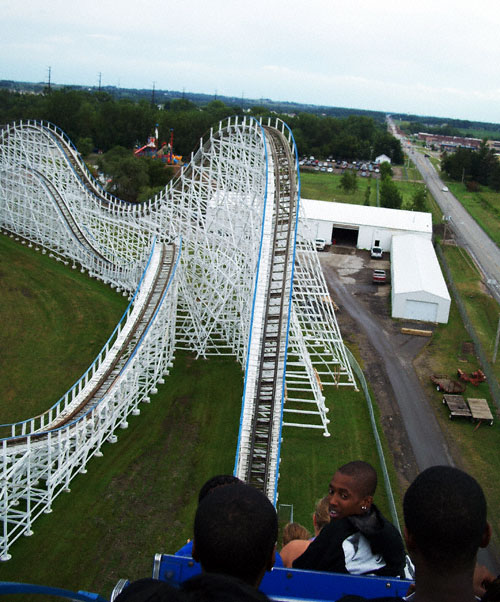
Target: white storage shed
column 363, row 227
column 418, row 288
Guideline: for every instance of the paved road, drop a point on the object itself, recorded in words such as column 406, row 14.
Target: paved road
column 471, row 236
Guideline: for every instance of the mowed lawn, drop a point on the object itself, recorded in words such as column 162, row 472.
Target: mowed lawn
column 483, row 206
column 322, row 186
column 54, row 322
column 140, row 497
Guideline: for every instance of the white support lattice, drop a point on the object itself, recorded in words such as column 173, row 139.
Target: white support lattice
column 213, row 297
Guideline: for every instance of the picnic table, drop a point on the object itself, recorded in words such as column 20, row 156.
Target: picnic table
column 480, row 410
column 457, row 406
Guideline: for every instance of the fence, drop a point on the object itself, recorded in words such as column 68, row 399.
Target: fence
column 356, row 368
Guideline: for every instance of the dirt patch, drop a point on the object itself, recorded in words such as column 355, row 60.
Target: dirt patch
column 466, row 349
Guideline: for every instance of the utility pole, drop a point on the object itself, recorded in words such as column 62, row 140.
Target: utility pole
column 153, row 95
column 50, row 69
column 100, row 75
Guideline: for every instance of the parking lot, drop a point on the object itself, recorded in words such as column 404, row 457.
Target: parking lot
column 355, row 270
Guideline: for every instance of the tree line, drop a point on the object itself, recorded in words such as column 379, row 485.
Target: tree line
column 473, row 168
column 103, row 121
column 96, row 121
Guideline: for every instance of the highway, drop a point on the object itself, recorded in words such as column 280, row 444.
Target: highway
column 472, row 237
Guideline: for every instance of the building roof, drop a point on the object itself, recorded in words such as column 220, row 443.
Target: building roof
column 344, row 214
column 415, row 267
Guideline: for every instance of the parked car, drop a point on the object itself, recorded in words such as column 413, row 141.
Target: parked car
column 320, row 244
column 444, row 189
column 376, row 253
column 379, row 277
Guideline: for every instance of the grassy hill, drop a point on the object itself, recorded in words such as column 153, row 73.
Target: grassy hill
column 140, row 497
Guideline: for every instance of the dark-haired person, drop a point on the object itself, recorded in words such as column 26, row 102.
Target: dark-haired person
column 219, row 480
column 445, row 525
column 359, row 539
column 213, row 483
column 235, row 533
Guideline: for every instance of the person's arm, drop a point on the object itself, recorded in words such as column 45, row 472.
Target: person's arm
column 325, row 553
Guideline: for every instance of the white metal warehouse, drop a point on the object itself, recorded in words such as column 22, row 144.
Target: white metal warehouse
column 418, row 288
column 362, row 226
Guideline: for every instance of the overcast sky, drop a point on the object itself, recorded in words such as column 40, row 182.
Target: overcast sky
column 429, row 57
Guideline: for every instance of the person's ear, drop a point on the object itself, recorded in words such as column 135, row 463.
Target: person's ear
column 409, row 541
column 194, row 553
column 368, row 501
column 486, row 536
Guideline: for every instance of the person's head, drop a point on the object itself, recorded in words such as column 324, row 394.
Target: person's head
column 445, row 519
column 351, row 489
column 321, row 516
column 218, row 481
column 293, row 531
column 235, row 533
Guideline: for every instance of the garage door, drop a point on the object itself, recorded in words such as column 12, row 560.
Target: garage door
column 421, row 310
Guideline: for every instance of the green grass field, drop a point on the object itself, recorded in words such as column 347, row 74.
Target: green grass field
column 483, row 206
column 326, row 187
column 140, row 497
column 35, row 320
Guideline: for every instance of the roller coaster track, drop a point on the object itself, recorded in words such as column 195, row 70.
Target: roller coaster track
column 68, row 218
column 235, row 207
column 257, row 466
column 107, row 377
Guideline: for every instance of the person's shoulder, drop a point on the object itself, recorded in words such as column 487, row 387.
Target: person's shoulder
column 387, row 525
column 293, row 550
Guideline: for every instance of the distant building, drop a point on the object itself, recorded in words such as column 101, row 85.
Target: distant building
column 449, row 143
column 382, row 159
